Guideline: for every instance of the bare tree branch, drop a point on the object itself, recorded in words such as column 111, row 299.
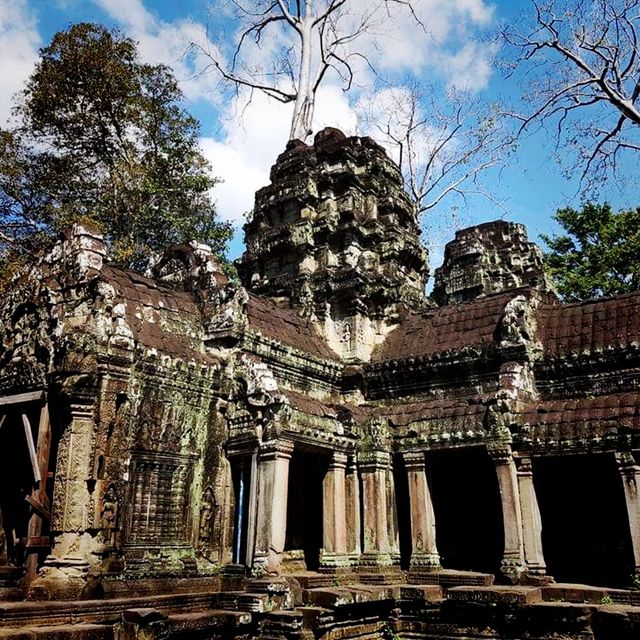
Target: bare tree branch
column 583, row 62
column 326, row 36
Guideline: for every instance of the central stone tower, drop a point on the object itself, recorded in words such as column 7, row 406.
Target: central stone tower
column 336, row 236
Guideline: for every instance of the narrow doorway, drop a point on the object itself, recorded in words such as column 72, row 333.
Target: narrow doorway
column 304, row 505
column 468, row 512
column 585, row 528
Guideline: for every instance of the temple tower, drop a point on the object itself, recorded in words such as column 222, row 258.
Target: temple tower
column 336, row 236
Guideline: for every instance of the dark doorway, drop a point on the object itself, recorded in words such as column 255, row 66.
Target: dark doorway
column 24, row 498
column 585, row 529
column 304, row 505
column 241, row 478
column 404, row 511
column 466, row 500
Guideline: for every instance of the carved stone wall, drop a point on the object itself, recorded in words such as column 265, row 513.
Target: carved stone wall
column 335, row 235
column 488, row 258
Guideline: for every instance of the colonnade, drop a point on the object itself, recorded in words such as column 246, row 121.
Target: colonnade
column 360, row 526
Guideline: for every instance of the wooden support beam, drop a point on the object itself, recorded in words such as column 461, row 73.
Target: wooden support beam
column 4, row 417
column 32, row 448
column 39, row 500
column 42, row 509
column 31, row 396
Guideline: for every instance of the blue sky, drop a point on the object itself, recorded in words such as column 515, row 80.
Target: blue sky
column 241, row 150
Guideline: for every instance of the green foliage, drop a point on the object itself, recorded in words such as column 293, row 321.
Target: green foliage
column 599, row 256
column 101, row 135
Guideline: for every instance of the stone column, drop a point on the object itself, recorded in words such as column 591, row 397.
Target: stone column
column 424, row 552
column 630, row 473
column 352, row 494
column 74, row 548
column 513, row 562
column 334, row 533
column 271, row 521
column 531, row 521
column 374, row 466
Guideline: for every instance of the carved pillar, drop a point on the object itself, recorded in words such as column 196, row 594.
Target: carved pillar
column 531, row 521
column 271, row 521
column 352, row 493
column 374, row 466
column 424, row 552
column 630, row 473
column 334, row 535
column 513, row 562
column 73, row 547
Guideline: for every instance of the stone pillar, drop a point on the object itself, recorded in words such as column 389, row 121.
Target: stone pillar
column 74, row 549
column 513, row 562
column 531, row 521
column 630, row 473
column 334, row 533
column 271, row 521
column 352, row 494
column 424, row 553
column 374, row 466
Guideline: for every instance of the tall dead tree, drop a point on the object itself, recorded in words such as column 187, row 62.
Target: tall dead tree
column 583, row 61
column 286, row 48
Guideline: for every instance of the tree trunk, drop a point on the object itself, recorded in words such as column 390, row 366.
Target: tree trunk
column 301, row 124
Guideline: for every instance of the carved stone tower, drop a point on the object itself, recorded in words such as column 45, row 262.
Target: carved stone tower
column 489, row 258
column 335, row 235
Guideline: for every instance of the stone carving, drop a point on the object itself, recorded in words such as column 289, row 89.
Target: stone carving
column 229, row 308
column 514, row 329
column 27, row 348
column 109, row 511
column 488, row 258
column 378, row 432
column 207, row 511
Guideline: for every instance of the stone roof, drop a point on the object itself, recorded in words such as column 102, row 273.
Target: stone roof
column 286, row 326
column 446, row 329
column 456, row 414
column 613, row 411
column 591, row 326
column 159, row 316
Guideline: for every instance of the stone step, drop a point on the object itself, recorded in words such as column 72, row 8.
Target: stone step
column 62, row 632
column 426, row 592
column 582, row 593
column 448, row 578
column 312, row 579
column 282, row 623
column 496, row 594
column 273, row 586
column 243, row 601
column 332, row 597
column 11, row 576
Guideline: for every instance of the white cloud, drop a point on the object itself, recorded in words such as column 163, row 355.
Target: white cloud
column 470, row 68
column 161, row 42
column 19, row 42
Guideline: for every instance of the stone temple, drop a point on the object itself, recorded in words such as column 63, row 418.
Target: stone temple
column 320, row 451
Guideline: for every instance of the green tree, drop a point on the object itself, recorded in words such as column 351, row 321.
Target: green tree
column 599, row 255
column 102, row 136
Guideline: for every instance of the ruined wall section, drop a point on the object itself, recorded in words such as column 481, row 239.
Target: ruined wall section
column 489, row 258
column 336, row 237
column 141, row 484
